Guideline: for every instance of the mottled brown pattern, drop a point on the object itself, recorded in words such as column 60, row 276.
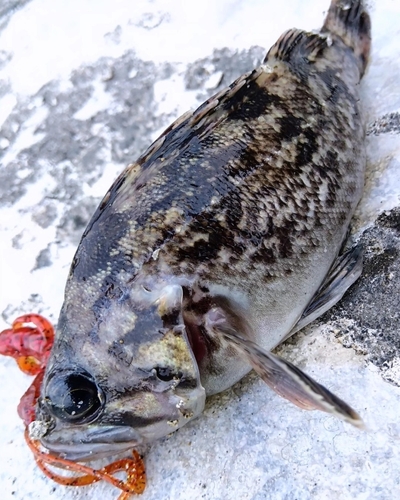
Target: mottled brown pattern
column 234, row 184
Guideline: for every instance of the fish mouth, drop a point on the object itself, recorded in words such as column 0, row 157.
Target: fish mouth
column 94, row 443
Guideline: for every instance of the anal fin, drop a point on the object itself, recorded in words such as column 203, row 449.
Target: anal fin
column 344, row 272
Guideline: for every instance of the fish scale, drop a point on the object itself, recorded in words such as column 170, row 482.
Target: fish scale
column 217, row 244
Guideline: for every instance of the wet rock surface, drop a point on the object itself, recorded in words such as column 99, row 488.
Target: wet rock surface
column 367, row 319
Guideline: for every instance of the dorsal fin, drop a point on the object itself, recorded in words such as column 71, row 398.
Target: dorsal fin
column 295, row 45
column 346, row 20
column 198, row 122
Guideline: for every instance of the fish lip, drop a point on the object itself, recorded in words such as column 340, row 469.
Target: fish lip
column 97, row 442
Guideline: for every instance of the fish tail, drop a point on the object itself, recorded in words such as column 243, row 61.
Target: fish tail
column 348, row 20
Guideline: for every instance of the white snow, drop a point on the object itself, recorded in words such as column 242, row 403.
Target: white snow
column 99, row 101
column 7, row 104
column 28, row 134
column 49, row 38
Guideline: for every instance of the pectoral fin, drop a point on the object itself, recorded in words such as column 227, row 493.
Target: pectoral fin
column 344, row 272
column 289, row 381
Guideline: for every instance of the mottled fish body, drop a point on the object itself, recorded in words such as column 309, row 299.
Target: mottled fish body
column 215, row 246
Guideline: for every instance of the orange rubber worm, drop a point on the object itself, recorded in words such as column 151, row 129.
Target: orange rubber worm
column 30, row 346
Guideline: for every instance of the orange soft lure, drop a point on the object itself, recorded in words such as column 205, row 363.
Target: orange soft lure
column 29, row 342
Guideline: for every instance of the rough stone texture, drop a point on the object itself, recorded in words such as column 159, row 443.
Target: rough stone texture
column 62, row 144
column 368, row 317
column 388, row 123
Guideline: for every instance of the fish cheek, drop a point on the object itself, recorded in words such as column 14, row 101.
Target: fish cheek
column 136, row 410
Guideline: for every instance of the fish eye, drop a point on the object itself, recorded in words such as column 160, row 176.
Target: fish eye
column 166, row 374
column 74, row 397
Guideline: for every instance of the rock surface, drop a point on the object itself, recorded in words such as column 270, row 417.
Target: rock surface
column 84, row 88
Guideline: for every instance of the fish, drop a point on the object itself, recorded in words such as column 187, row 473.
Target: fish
column 222, row 240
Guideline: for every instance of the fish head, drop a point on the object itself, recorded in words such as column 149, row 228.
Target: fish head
column 132, row 380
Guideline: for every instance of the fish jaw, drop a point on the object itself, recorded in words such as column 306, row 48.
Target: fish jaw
column 83, row 445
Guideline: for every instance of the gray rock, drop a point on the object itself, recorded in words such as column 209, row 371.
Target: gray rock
column 367, row 319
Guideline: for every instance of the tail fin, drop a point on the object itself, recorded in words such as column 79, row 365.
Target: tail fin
column 348, row 20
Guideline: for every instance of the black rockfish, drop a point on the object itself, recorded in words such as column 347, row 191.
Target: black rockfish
column 216, row 245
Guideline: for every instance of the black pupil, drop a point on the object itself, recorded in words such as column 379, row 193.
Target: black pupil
column 73, row 398
column 79, row 401
column 165, row 374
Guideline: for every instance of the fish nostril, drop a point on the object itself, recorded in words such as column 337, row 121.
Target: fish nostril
column 73, row 397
